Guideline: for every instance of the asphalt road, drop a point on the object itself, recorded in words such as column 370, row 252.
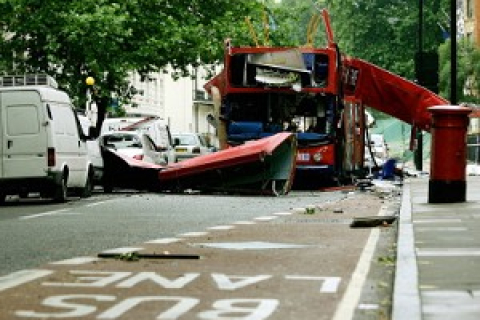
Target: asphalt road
column 301, row 266
column 33, row 231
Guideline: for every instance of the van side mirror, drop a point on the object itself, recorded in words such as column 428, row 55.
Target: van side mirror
column 176, row 142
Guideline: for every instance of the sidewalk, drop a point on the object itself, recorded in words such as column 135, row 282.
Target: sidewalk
column 438, row 256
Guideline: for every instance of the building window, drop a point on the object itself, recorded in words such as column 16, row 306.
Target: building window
column 199, row 95
column 469, row 9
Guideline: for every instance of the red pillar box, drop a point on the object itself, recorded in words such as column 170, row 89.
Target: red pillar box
column 448, row 155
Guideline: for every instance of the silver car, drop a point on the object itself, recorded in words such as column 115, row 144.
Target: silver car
column 136, row 145
column 190, row 145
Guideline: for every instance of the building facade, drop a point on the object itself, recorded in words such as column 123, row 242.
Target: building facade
column 183, row 103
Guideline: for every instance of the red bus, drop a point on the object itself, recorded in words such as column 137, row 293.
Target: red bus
column 266, row 90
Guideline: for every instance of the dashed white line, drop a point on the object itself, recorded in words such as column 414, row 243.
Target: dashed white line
column 97, row 203
column 448, row 252
column 43, row 214
column 122, row 250
column 265, row 218
column 164, row 241
column 221, row 228
column 18, row 278
column 244, row 222
column 368, row 306
column 194, row 234
column 448, row 229
column 282, row 213
column 437, row 221
column 76, row 261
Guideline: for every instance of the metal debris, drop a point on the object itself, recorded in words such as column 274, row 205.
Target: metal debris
column 135, row 256
column 375, row 221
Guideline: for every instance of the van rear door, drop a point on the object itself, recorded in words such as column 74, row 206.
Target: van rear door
column 24, row 135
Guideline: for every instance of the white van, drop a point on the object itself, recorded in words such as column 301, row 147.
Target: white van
column 155, row 127
column 93, row 150
column 43, row 149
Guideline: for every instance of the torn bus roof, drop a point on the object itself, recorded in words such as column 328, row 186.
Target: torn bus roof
column 265, row 166
column 390, row 93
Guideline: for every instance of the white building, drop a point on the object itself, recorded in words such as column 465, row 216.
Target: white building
column 183, row 102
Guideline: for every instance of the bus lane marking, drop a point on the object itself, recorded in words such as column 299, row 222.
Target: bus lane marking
column 348, row 304
column 73, row 305
column 18, row 278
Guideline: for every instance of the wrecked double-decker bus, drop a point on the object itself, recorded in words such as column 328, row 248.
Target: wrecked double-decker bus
column 265, row 90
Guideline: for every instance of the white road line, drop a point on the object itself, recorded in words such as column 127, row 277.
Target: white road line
column 244, row 222
column 368, row 306
column 448, row 252
column 43, row 214
column 221, row 228
column 97, row 203
column 194, row 234
column 18, row 278
column 282, row 213
column 265, row 218
column 53, row 212
column 164, row 241
column 76, row 261
column 122, row 250
column 437, row 221
column 448, row 229
column 346, row 308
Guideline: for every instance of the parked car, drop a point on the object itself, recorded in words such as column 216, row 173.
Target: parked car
column 190, row 145
column 134, row 144
column 155, row 127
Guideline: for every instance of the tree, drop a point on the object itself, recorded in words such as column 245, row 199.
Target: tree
column 468, row 71
column 292, row 19
column 106, row 39
column 385, row 32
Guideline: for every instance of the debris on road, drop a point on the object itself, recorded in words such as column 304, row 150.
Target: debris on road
column 135, row 256
column 375, row 221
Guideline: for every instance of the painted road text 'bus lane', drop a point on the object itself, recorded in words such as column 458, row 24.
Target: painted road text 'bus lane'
column 93, row 291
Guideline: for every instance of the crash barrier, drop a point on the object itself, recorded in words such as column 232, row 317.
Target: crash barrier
column 448, row 154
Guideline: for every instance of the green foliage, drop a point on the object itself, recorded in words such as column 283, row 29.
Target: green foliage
column 468, row 71
column 385, row 32
column 106, row 39
column 292, row 19
column 378, row 31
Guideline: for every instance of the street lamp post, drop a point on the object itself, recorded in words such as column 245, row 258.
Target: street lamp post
column 89, row 112
column 418, row 154
column 453, row 52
